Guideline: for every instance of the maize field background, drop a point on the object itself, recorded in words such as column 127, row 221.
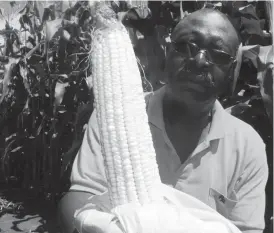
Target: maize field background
column 45, row 92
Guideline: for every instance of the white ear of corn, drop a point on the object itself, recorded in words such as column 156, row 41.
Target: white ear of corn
column 127, row 145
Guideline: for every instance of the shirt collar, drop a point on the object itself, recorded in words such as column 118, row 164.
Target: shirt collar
column 155, row 115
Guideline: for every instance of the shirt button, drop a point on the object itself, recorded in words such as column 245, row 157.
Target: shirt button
column 222, row 198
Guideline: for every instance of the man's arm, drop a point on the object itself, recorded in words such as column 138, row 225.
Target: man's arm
column 88, row 172
column 248, row 214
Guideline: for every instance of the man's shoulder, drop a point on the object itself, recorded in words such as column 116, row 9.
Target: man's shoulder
column 147, row 96
column 246, row 142
column 157, row 94
column 242, row 130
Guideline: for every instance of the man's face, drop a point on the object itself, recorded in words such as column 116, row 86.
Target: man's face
column 201, row 57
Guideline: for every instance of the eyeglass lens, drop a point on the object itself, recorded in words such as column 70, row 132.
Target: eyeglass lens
column 190, row 50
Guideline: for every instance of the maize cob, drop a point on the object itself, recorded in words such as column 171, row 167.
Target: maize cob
column 130, row 158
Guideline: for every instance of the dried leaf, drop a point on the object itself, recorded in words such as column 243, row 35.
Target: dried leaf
column 7, row 79
column 65, row 5
column 12, row 23
column 12, row 3
column 62, row 110
column 69, row 156
column 265, row 77
column 26, row 109
column 269, row 10
column 52, row 27
column 243, row 52
column 40, row 70
column 2, row 11
column 238, row 109
column 24, row 73
column 4, row 59
column 63, row 78
column 249, row 11
column 262, row 58
column 60, row 90
column 16, row 149
column 65, row 35
column 10, row 137
column 26, row 23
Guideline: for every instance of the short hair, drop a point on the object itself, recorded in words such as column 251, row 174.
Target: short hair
column 222, row 15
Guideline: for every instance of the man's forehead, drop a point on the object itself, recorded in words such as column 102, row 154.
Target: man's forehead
column 214, row 25
column 204, row 22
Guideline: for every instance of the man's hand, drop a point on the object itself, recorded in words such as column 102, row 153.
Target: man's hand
column 95, row 217
column 95, row 221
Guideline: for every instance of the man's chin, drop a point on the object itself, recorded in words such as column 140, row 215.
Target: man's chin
column 192, row 95
column 194, row 102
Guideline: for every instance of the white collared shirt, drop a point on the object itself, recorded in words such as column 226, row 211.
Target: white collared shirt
column 228, row 170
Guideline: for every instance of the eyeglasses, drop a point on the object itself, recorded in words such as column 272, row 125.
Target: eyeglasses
column 214, row 56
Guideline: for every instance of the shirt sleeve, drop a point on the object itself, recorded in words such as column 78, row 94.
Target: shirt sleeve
column 88, row 172
column 248, row 214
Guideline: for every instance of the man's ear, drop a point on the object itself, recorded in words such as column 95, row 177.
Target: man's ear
column 235, row 68
column 230, row 79
column 166, row 63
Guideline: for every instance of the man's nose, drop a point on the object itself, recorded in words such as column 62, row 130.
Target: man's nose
column 201, row 60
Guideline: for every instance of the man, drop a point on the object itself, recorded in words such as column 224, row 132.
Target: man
column 201, row 150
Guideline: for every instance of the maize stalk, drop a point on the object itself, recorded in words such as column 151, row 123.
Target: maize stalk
column 130, row 158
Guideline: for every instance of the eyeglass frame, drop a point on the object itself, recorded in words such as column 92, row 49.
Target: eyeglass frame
column 232, row 59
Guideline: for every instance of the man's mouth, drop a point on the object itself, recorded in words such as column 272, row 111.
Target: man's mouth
column 197, row 82
column 189, row 85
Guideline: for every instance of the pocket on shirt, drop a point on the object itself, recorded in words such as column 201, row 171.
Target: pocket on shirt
column 221, row 202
